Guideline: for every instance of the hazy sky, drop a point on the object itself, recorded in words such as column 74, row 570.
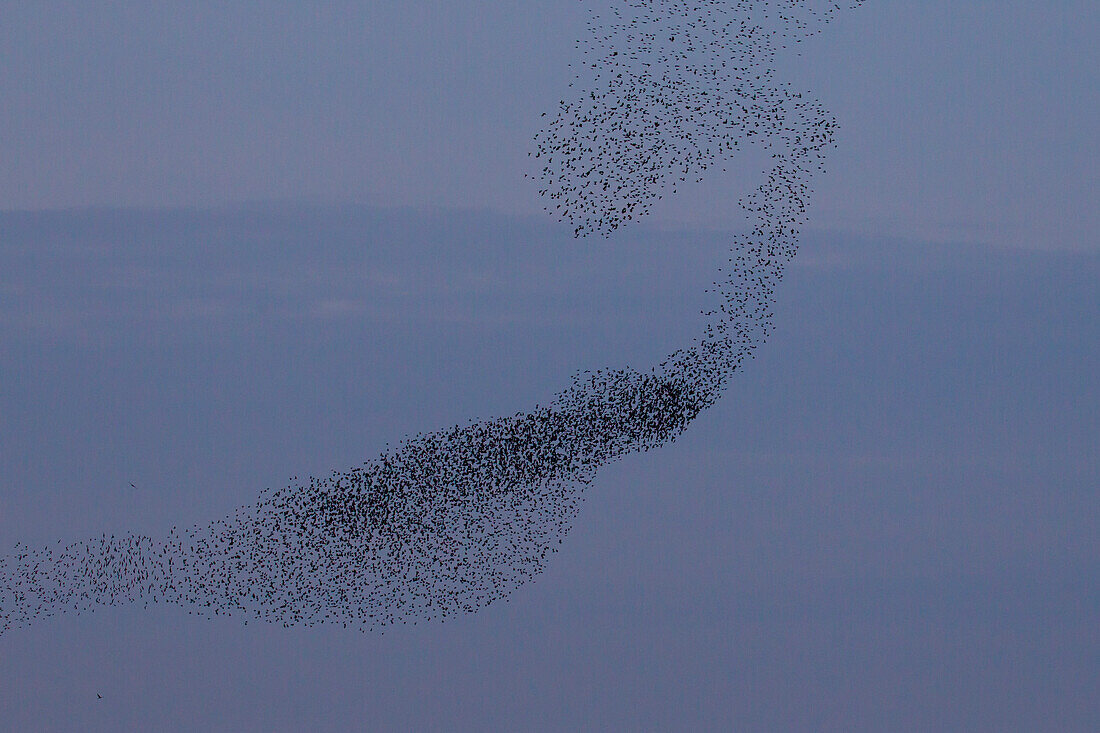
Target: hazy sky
column 971, row 121
column 889, row 522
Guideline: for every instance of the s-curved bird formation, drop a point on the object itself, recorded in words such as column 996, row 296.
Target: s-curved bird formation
column 449, row 521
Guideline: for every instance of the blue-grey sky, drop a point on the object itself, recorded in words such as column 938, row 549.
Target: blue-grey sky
column 889, row 522
column 962, row 121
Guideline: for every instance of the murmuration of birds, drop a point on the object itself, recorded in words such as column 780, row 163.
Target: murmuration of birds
column 445, row 523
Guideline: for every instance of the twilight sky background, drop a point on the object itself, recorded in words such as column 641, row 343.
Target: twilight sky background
column 890, row 522
column 964, row 121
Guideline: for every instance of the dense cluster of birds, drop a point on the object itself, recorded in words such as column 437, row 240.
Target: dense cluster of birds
column 670, row 89
column 449, row 521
